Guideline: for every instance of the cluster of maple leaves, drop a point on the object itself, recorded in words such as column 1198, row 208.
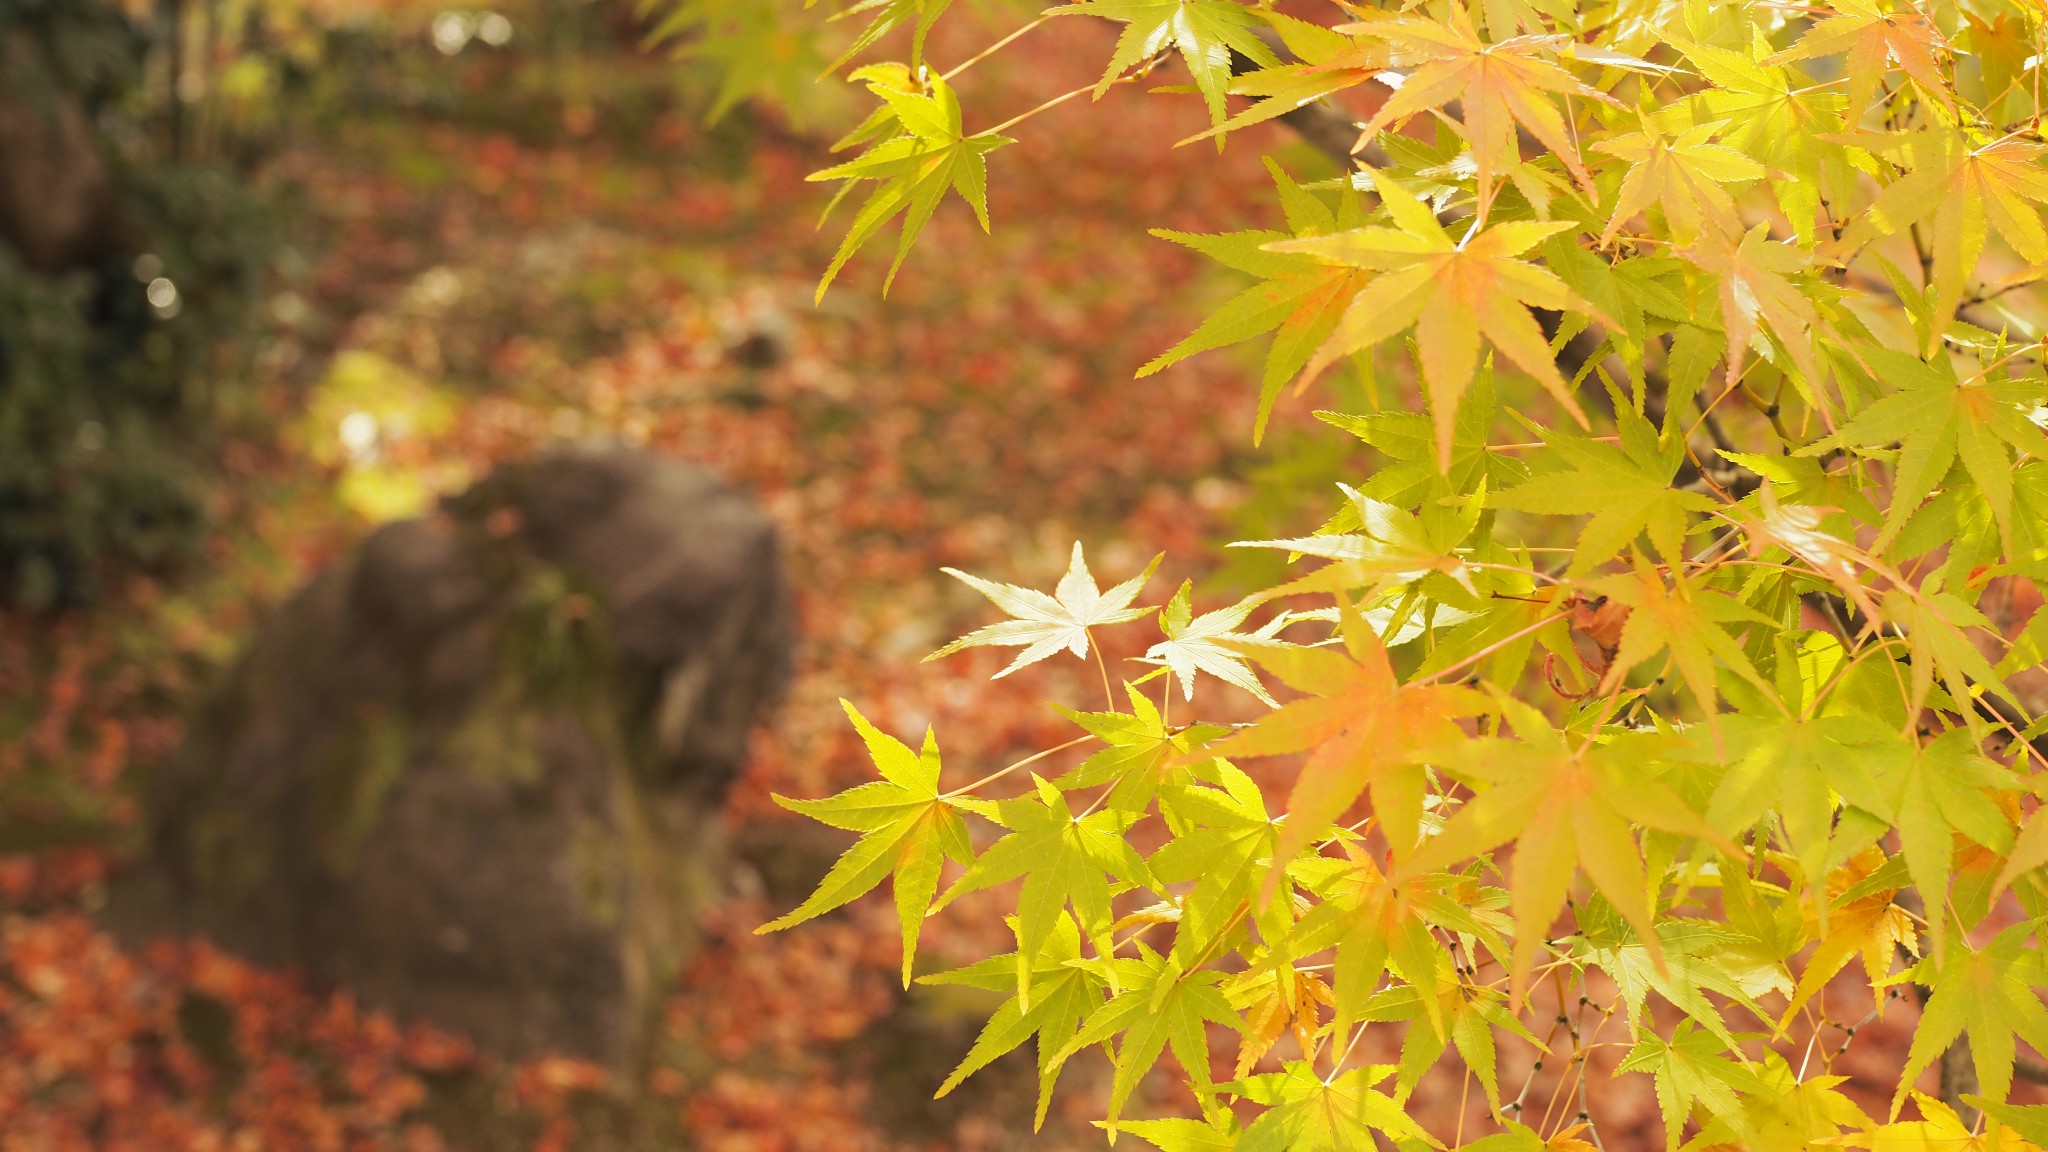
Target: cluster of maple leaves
column 1679, row 651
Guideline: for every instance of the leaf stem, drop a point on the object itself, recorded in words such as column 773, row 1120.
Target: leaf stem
column 1002, row 772
column 994, row 48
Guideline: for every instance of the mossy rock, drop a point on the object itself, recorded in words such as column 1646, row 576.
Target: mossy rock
column 472, row 771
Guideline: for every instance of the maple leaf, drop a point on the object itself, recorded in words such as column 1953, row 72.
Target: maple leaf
column 1800, row 529
column 1176, row 1135
column 1376, row 923
column 1691, row 959
column 1226, row 859
column 1308, row 1113
column 1460, row 1014
column 1683, row 175
column 2003, row 47
column 890, row 15
column 916, row 168
column 1288, row 1004
column 1786, row 1113
column 1391, row 546
column 1934, row 625
column 1565, row 809
column 1062, row 994
column 1787, row 764
column 1875, row 39
column 1204, row 32
column 906, row 828
column 1298, row 298
column 1162, row 1005
column 1942, row 1131
column 1775, row 116
column 2030, row 1121
column 1330, row 66
column 1046, row 624
column 1685, row 620
column 1501, row 85
column 1362, row 728
column 1143, row 754
column 1690, row 1071
column 754, row 51
column 1936, row 418
column 1451, row 292
column 1959, row 187
column 1989, row 994
column 1064, row 859
column 1205, row 643
column 1871, row 926
column 1756, row 291
column 1522, row 1138
column 1931, row 794
column 1410, row 472
column 1626, row 489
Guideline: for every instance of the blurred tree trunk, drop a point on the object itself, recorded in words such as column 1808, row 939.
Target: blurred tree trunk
column 56, row 195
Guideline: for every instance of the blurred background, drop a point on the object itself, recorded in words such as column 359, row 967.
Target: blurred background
column 434, row 518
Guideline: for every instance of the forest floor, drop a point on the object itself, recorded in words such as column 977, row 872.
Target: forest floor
column 480, row 289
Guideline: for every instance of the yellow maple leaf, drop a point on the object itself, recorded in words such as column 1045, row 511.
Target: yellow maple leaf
column 1451, row 292
column 1499, row 85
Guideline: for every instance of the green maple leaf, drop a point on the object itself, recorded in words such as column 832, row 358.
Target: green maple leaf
column 1064, row 859
column 1451, row 292
column 1332, row 62
column 907, row 828
column 915, row 169
column 1698, row 957
column 1931, row 795
column 1204, row 32
column 753, row 49
column 1691, row 1071
column 1406, row 439
column 1627, row 491
column 1936, row 418
column 1307, row 1113
column 1458, row 1014
column 1062, row 994
column 2029, row 1120
column 1787, row 1113
column 1386, row 545
column 1934, row 623
column 1227, row 860
column 890, row 15
column 1989, row 994
column 1298, row 298
column 1046, row 624
column 1783, row 764
column 1176, row 1135
column 1143, row 753
column 1162, row 1005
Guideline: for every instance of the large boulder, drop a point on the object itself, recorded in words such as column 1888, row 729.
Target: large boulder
column 472, row 771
